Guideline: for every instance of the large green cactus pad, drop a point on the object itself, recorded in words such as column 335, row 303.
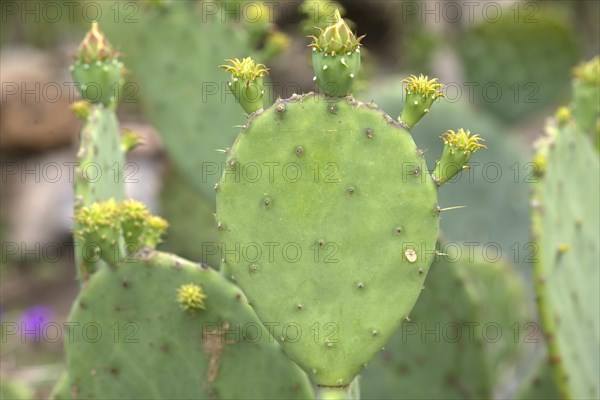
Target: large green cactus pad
column 451, row 347
column 337, row 190
column 151, row 348
column 567, row 274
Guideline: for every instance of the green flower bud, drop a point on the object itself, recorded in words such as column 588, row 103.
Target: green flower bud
column 458, row 149
column 318, row 14
column 336, row 38
column 563, row 116
column 119, row 229
column 421, row 92
column 81, row 109
column 98, row 225
column 130, row 140
column 97, row 69
column 140, row 227
column 588, row 72
column 154, row 229
column 247, row 83
column 336, row 58
column 191, row 297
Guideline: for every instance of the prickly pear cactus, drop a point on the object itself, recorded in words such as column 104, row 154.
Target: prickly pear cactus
column 207, row 347
column 567, row 275
column 336, row 58
column 198, row 338
column 99, row 174
column 190, row 328
column 308, row 215
column 322, row 181
column 505, row 315
column 119, row 229
column 101, row 155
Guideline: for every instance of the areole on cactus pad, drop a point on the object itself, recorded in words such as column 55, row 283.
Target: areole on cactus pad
column 329, row 220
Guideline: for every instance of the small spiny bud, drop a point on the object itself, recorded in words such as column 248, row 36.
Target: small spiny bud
column 191, row 297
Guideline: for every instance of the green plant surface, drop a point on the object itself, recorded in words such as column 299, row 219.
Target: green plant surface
column 173, row 53
column 586, row 97
column 414, row 365
column 99, row 174
column 62, row 388
column 495, row 190
column 354, row 218
column 539, row 385
column 192, row 230
column 520, row 63
column 151, row 347
column 501, row 297
column 100, row 159
column 450, row 347
column 567, row 275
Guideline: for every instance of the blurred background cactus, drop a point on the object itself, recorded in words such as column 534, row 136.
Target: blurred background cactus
column 567, row 271
column 507, row 66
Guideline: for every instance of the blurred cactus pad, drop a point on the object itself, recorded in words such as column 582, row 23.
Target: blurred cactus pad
column 519, row 63
column 565, row 224
column 173, row 49
column 444, row 349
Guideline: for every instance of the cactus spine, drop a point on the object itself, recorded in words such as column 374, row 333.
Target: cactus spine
column 351, row 180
